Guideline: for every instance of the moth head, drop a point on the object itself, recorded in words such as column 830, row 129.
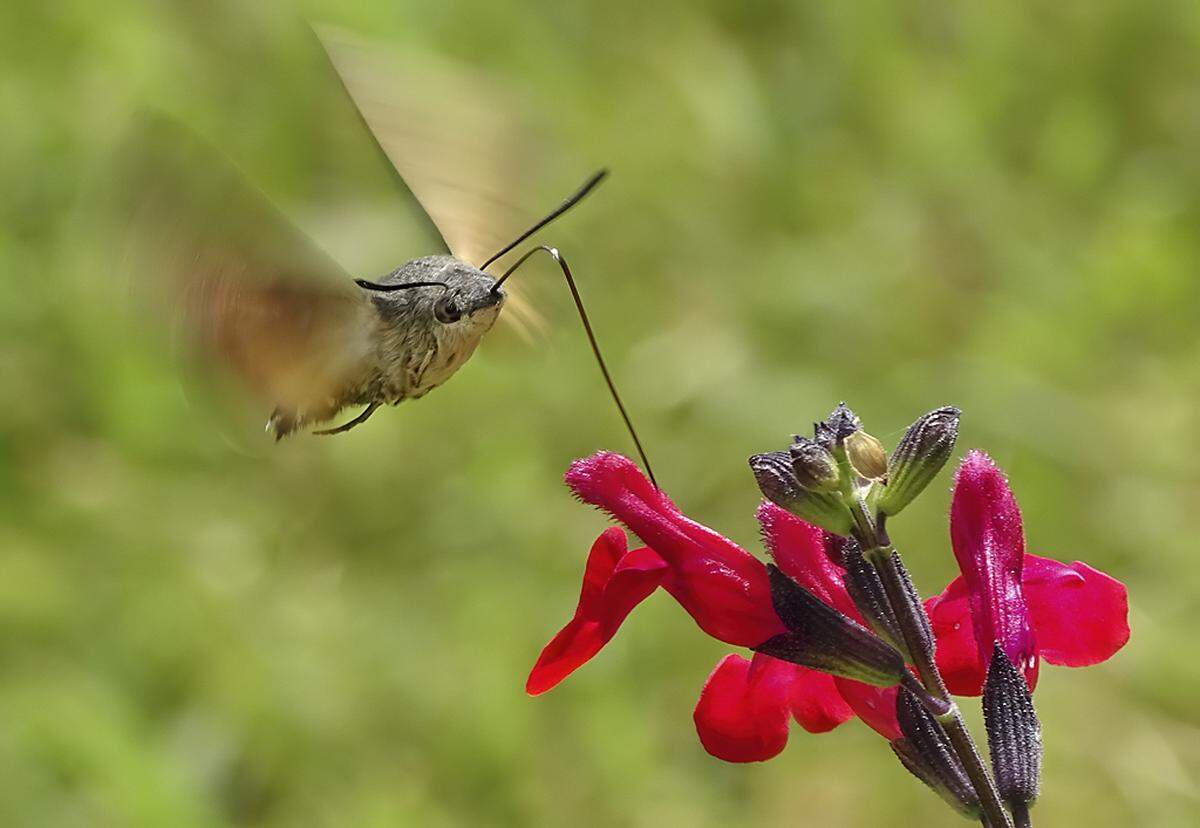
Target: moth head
column 471, row 296
column 445, row 293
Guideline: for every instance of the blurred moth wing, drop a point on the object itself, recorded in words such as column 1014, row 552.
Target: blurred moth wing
column 455, row 137
column 257, row 296
column 246, row 288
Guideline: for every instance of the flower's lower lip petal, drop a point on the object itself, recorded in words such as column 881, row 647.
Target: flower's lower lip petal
column 743, row 711
column 1080, row 614
column 615, row 582
column 817, row 706
column 957, row 655
column 607, row 550
column 572, row 647
column 874, row 705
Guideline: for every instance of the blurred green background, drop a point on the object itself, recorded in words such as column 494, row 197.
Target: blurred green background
column 902, row 205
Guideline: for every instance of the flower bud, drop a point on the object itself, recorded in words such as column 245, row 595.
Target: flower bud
column 840, row 424
column 923, row 450
column 778, row 482
column 866, row 455
column 814, row 466
column 926, row 752
column 1014, row 733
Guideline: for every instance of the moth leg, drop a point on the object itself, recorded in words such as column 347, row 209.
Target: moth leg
column 360, row 419
column 282, row 423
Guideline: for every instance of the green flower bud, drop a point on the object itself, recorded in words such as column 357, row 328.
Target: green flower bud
column 923, row 450
column 778, row 482
column 814, row 466
column 866, row 455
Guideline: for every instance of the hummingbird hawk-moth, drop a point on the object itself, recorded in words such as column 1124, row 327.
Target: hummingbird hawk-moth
column 254, row 293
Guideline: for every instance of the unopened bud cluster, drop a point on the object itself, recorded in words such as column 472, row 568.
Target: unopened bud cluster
column 822, row 479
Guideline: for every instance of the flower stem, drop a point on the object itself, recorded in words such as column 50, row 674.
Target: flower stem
column 952, row 721
column 878, row 549
column 1020, row 813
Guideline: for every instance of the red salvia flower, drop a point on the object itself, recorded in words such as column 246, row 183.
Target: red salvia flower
column 1071, row 615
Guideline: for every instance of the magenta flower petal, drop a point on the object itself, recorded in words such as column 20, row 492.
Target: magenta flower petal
column 957, row 655
column 817, row 705
column 614, row 582
column 874, row 705
column 989, row 543
column 1080, row 614
column 743, row 711
column 1079, row 617
column 723, row 587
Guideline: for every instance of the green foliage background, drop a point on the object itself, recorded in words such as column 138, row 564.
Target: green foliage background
column 992, row 204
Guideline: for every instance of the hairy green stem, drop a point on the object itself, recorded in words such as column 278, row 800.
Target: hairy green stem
column 908, row 611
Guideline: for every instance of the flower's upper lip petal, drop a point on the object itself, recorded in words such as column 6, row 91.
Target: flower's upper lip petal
column 799, row 550
column 723, row 587
column 989, row 543
column 615, row 484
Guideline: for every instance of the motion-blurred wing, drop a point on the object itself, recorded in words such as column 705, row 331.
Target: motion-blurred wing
column 243, row 286
column 452, row 134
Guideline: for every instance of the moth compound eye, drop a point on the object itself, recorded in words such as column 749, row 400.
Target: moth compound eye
column 446, row 310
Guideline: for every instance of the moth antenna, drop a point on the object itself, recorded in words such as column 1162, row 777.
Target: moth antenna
column 375, row 286
column 571, row 201
column 587, row 326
